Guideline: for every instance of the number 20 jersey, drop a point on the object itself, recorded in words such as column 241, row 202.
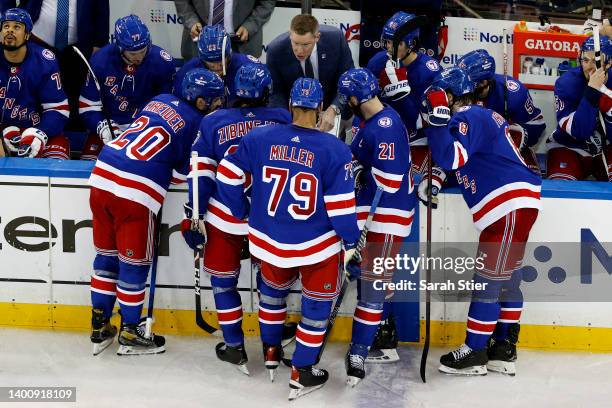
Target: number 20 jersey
column 152, row 153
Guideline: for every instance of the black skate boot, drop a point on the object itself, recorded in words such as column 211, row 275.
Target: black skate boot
column 384, row 348
column 502, row 353
column 464, row 361
column 272, row 358
column 102, row 332
column 133, row 341
column 233, row 355
column 305, row 380
column 355, row 368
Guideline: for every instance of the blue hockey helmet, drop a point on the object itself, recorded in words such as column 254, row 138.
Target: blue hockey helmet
column 19, row 15
column 252, row 81
column 479, row 64
column 306, row 93
column 357, row 82
column 202, row 83
column 394, row 23
column 455, row 80
column 213, row 43
column 605, row 45
column 131, row 34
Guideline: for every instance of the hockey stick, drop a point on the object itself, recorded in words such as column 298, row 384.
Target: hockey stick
column 505, row 39
column 428, row 274
column 149, row 320
column 198, row 253
column 604, row 136
column 345, row 281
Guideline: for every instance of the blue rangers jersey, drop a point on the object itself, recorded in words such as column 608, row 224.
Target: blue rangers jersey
column 302, row 196
column 382, row 147
column 219, row 134
column 578, row 106
column 125, row 88
column 521, row 109
column 236, row 61
column 420, row 73
column 490, row 171
column 32, row 93
column 150, row 154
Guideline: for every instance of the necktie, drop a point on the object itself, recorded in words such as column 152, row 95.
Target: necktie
column 218, row 9
column 308, row 71
column 61, row 24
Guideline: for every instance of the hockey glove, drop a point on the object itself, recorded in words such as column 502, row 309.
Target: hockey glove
column 32, row 141
column 11, row 135
column 193, row 231
column 438, row 176
column 594, row 144
column 394, row 82
column 358, row 176
column 438, row 112
column 518, row 135
column 108, row 135
column 352, row 261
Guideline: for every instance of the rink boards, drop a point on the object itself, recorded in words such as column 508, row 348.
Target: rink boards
column 49, row 288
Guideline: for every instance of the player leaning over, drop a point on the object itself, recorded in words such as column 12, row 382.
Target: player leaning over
column 574, row 148
column 215, row 53
column 128, row 187
column 224, row 235
column 131, row 72
column 504, row 197
column 34, row 105
column 302, row 213
column 514, row 103
column 382, row 152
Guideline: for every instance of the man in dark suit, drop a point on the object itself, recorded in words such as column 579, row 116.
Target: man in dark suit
column 309, row 50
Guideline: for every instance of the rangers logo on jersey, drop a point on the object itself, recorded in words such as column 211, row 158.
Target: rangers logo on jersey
column 432, row 65
column 512, row 86
column 164, row 54
column 48, row 54
column 385, row 122
column 463, row 128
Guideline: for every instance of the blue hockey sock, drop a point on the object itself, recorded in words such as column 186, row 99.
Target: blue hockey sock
column 229, row 309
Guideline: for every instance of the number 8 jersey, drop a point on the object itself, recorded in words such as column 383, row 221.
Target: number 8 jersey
column 152, row 153
column 302, row 198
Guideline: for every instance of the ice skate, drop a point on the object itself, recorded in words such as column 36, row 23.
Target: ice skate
column 384, row 348
column 236, row 356
column 306, row 380
column 272, row 358
column 355, row 368
column 133, row 341
column 502, row 357
column 102, row 332
column 464, row 361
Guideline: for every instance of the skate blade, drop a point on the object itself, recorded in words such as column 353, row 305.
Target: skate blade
column 138, row 351
column 353, row 381
column 296, row 393
column 100, row 347
column 382, row 356
column 271, row 372
column 242, row 368
column 470, row 371
column 503, row 367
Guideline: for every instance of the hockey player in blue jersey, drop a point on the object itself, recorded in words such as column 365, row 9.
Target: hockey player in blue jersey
column 34, row 105
column 508, row 97
column 584, row 118
column 504, row 198
column 215, row 53
column 225, row 236
column 302, row 213
column 130, row 72
column 128, row 186
column 382, row 151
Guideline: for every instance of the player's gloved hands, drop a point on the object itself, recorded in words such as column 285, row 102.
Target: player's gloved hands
column 438, row 176
column 108, row 135
column 193, row 231
column 32, row 141
column 394, row 82
column 352, row 261
column 358, row 175
column 11, row 135
column 436, row 103
column 605, row 105
column 594, row 144
column 518, row 135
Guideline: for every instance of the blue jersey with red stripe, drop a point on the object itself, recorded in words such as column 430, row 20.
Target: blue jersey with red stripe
column 219, row 134
column 150, row 154
column 578, row 106
column 302, row 197
column 125, row 88
column 382, row 147
column 521, row 109
column 31, row 93
column 490, row 171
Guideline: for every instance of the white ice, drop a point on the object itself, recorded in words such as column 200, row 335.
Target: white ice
column 189, row 375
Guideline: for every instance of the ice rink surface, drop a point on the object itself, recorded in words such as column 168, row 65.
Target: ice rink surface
column 189, row 375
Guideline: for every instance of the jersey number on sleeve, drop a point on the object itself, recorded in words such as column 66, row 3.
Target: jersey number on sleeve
column 146, row 144
column 387, row 151
column 302, row 187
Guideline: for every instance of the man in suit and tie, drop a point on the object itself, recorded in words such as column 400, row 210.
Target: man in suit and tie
column 309, row 50
column 244, row 24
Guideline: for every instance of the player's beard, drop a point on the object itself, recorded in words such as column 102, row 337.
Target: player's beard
column 13, row 47
column 356, row 109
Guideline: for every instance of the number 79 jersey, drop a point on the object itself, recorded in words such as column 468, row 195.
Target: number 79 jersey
column 302, row 198
column 152, row 153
